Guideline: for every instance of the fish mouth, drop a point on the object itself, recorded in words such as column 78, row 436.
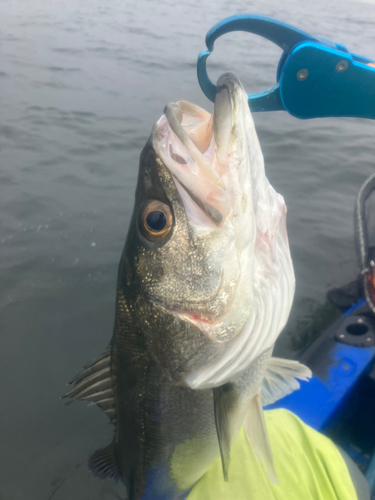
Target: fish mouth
column 196, row 147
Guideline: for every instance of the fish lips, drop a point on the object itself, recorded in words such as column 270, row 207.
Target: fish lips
column 181, row 136
column 223, row 115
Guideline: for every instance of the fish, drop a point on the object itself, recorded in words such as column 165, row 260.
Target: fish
column 205, row 286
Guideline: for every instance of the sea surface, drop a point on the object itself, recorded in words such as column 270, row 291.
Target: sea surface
column 81, row 85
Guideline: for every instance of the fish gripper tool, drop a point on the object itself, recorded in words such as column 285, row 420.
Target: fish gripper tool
column 315, row 77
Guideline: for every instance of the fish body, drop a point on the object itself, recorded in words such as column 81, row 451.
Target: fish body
column 205, row 286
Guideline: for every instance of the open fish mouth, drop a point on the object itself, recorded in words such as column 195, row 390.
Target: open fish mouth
column 195, row 146
column 207, row 157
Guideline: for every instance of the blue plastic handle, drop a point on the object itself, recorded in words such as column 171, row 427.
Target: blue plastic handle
column 315, row 77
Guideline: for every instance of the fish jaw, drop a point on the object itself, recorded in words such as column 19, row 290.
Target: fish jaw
column 225, row 193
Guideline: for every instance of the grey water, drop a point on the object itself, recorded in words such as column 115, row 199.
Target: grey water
column 81, row 85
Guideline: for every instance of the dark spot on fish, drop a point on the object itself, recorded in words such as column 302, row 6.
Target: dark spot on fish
column 176, row 157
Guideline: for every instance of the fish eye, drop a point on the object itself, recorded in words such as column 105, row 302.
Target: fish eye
column 155, row 220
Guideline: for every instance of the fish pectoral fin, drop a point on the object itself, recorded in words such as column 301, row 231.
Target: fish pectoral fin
column 255, row 427
column 224, row 398
column 95, row 383
column 281, row 379
column 103, row 465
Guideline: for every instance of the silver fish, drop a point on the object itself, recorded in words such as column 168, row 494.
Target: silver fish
column 205, row 286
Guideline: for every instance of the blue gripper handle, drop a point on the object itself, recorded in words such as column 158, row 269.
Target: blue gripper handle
column 315, row 77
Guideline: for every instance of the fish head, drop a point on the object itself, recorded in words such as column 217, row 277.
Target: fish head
column 207, row 255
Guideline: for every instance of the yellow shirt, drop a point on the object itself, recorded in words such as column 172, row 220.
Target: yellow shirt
column 308, row 465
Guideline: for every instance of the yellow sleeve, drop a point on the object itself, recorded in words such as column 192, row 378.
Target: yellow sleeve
column 308, row 465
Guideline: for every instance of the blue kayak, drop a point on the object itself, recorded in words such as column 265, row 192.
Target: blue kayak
column 339, row 400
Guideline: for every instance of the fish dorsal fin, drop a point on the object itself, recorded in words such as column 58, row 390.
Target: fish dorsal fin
column 102, row 463
column 95, row 383
column 224, row 398
column 281, row 379
column 255, row 427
